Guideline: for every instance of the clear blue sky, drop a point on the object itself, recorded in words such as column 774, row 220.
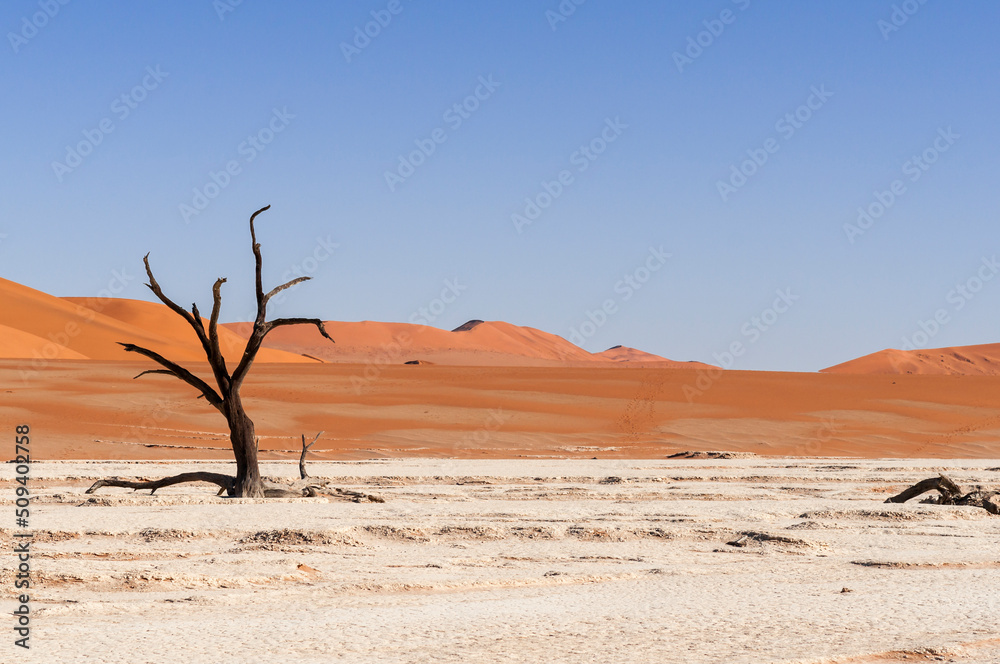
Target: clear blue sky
column 610, row 68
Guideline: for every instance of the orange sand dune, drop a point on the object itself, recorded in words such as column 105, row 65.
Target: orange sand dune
column 155, row 316
column 18, row 343
column 55, row 324
column 95, row 410
column 475, row 343
column 634, row 357
column 41, row 327
column 982, row 360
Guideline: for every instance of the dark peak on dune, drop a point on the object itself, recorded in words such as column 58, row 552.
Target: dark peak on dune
column 465, row 327
column 614, row 347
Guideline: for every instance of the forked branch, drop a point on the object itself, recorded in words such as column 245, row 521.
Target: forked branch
column 302, row 458
column 177, row 371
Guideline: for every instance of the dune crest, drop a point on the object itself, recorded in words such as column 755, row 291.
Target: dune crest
column 475, row 343
column 42, row 325
column 37, row 325
column 981, row 360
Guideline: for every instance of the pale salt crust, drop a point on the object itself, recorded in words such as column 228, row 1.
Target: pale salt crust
column 514, row 561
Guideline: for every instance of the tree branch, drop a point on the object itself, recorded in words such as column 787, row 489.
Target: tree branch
column 259, row 263
column 943, row 484
column 260, row 326
column 215, row 353
column 256, row 340
column 278, row 289
column 226, row 482
column 193, row 320
column 281, row 322
column 302, row 459
column 155, row 371
column 180, row 372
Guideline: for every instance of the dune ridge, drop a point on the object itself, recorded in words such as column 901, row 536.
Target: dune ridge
column 43, row 327
column 979, row 360
column 475, row 343
column 37, row 325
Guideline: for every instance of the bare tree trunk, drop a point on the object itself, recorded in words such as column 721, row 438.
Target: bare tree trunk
column 244, row 441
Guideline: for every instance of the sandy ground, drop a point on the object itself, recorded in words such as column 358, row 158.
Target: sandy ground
column 95, row 410
column 516, row 561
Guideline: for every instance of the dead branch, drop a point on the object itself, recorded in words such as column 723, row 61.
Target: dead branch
column 942, row 483
column 279, row 322
column 227, row 485
column 358, row 497
column 951, row 494
column 177, row 371
column 173, row 306
column 154, row 371
column 302, row 458
column 226, row 482
column 277, row 289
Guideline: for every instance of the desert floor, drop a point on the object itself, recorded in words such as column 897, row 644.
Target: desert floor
column 95, row 410
column 516, row 561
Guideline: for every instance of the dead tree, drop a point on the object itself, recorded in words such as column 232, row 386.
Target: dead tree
column 302, row 458
column 951, row 493
column 225, row 396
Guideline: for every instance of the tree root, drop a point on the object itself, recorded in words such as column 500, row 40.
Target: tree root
column 951, row 494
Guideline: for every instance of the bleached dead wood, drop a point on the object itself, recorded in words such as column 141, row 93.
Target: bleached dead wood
column 951, row 494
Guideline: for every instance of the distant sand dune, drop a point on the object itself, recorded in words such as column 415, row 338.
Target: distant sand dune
column 38, row 325
column 982, row 360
